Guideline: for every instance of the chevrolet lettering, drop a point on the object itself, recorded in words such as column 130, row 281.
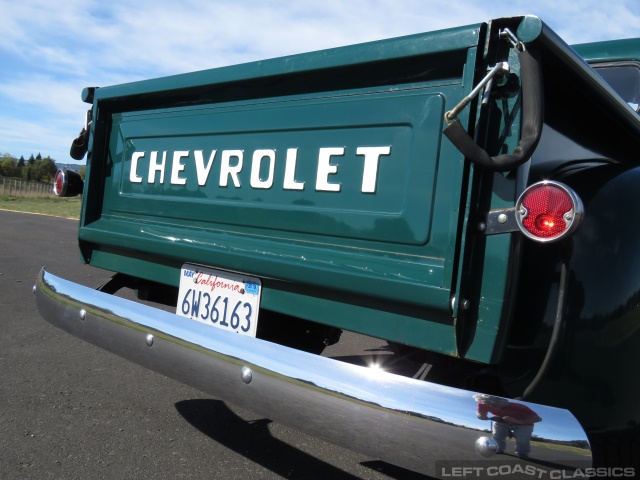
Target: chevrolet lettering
column 424, row 248
column 152, row 167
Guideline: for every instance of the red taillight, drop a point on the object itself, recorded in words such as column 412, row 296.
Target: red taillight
column 59, row 183
column 548, row 211
column 67, row 183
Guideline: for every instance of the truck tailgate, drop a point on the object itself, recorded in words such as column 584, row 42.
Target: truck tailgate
column 324, row 174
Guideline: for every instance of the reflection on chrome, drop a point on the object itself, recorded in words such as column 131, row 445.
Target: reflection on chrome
column 408, row 422
column 375, row 366
column 509, row 418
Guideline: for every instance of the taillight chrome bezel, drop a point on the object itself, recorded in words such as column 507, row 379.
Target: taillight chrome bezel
column 572, row 218
column 70, row 185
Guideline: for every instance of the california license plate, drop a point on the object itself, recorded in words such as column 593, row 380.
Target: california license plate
column 219, row 299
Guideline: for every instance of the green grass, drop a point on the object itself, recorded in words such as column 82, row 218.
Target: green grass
column 562, row 448
column 54, row 206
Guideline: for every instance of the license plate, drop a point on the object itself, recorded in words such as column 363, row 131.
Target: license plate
column 219, row 299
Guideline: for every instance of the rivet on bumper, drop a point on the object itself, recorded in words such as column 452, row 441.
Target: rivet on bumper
column 149, row 340
column 83, row 314
column 246, row 375
column 486, row 447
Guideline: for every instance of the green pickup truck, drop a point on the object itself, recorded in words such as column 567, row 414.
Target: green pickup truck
column 461, row 194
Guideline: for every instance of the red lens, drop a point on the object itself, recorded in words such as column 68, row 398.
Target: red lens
column 58, row 183
column 546, row 206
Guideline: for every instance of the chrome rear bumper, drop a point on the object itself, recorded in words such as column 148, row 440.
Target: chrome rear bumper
column 415, row 424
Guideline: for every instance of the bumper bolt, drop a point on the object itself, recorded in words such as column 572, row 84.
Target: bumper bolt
column 149, row 340
column 486, row 447
column 246, row 375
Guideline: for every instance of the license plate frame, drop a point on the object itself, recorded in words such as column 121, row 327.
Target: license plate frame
column 220, row 299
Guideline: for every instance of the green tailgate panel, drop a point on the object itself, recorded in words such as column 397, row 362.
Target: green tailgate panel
column 346, row 203
column 229, row 163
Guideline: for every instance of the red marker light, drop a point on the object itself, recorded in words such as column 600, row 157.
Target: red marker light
column 59, row 183
column 548, row 211
column 67, row 183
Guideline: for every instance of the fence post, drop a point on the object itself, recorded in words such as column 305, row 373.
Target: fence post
column 17, row 187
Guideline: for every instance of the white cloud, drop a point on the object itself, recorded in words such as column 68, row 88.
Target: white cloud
column 43, row 92
column 36, row 136
column 50, row 50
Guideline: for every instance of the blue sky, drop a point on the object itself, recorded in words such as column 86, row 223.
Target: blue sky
column 50, row 50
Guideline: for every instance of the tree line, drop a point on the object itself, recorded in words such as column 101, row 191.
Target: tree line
column 35, row 169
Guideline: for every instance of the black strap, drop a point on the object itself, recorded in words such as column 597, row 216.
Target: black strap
column 532, row 119
column 79, row 146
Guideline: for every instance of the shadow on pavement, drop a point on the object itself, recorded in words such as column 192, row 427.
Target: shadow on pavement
column 253, row 440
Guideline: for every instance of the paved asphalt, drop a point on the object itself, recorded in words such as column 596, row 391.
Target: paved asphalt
column 69, row 410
